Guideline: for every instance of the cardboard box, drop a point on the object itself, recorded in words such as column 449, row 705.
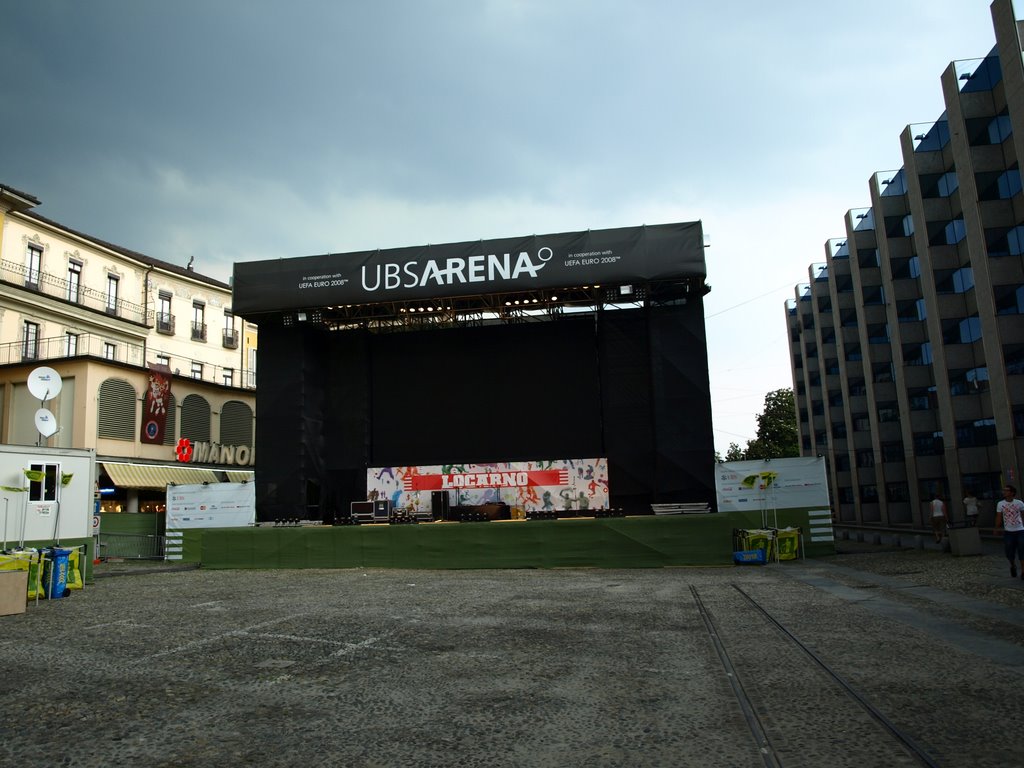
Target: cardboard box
column 13, row 592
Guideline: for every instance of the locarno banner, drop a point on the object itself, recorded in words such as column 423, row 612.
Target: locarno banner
column 217, row 505
column 751, row 486
column 576, row 484
column 534, row 262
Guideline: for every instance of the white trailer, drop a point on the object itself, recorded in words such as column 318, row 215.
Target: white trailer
column 46, row 495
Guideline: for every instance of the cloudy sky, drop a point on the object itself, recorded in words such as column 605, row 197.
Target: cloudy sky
column 239, row 130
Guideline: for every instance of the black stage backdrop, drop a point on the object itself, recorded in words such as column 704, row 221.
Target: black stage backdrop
column 631, row 385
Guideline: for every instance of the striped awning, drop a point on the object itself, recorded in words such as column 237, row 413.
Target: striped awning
column 240, row 475
column 156, row 476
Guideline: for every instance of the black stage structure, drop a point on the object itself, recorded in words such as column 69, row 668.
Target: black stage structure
column 568, row 345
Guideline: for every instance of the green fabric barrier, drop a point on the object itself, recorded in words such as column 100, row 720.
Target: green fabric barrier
column 642, row 542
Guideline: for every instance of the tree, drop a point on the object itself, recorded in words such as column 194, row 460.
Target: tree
column 735, row 453
column 777, row 433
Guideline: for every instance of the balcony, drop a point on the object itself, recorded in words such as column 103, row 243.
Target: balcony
column 165, row 323
column 20, row 276
column 92, row 346
column 230, row 338
column 198, row 331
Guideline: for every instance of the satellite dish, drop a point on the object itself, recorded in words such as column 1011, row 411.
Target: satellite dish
column 44, row 383
column 46, row 423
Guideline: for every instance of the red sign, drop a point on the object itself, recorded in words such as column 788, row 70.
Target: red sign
column 506, row 479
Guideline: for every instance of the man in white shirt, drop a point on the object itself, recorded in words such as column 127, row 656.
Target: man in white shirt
column 939, row 518
column 1010, row 515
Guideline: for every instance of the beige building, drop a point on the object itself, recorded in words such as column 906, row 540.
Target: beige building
column 907, row 342
column 100, row 315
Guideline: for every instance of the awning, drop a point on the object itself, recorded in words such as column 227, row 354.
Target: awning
column 240, row 476
column 156, row 476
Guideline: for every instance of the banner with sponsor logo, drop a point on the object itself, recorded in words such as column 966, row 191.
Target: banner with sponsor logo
column 216, row 505
column 535, row 262
column 154, row 405
column 577, row 484
column 750, row 486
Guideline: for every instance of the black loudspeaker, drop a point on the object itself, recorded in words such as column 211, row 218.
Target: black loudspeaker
column 439, row 504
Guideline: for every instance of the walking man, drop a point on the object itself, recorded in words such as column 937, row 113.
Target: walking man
column 1010, row 515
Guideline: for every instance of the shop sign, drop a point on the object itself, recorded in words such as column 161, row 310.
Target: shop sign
column 187, row 452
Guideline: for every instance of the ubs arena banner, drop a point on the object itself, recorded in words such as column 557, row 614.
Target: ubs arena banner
column 577, row 484
column 535, row 262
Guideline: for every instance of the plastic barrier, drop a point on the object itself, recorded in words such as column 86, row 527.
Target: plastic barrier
column 75, row 569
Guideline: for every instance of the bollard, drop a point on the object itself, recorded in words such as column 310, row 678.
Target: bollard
column 876, row 538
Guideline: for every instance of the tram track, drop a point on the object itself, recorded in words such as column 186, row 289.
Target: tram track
column 799, row 709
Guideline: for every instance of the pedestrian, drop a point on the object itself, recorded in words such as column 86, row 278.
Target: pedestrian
column 971, row 508
column 1010, row 515
column 939, row 518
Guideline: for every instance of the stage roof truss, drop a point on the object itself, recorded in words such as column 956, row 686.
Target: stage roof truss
column 512, row 307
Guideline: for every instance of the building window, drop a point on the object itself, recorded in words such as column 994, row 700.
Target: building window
column 228, row 377
column 906, row 268
column 45, row 488
column 230, row 334
column 968, row 381
column 1004, row 241
column 33, row 265
column 1009, row 299
column 1013, row 359
column 897, row 492
column 922, row 398
column 868, row 258
column 70, row 344
column 845, row 495
column 860, row 422
column 928, row 443
column 917, row 354
column 888, row 411
column 938, row 184
column 892, row 451
column 954, row 280
column 874, row 295
column 30, row 341
column 883, row 372
column 109, row 351
column 112, row 285
column 1018, row 421
column 236, row 424
column 911, row 310
column 197, row 370
column 843, row 462
column 878, row 333
column 198, row 321
column 116, row 410
column 961, row 330
column 74, row 281
column 853, row 353
column 858, row 388
column 998, row 185
column 195, row 419
column 163, row 360
column 977, row 433
column 986, row 485
column 164, row 317
column 839, row 429
column 869, row 494
column 985, row 131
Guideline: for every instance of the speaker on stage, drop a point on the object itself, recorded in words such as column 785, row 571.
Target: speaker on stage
column 439, row 504
column 382, row 510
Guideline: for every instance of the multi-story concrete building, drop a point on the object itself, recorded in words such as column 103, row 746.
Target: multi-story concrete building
column 101, row 316
column 907, row 342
